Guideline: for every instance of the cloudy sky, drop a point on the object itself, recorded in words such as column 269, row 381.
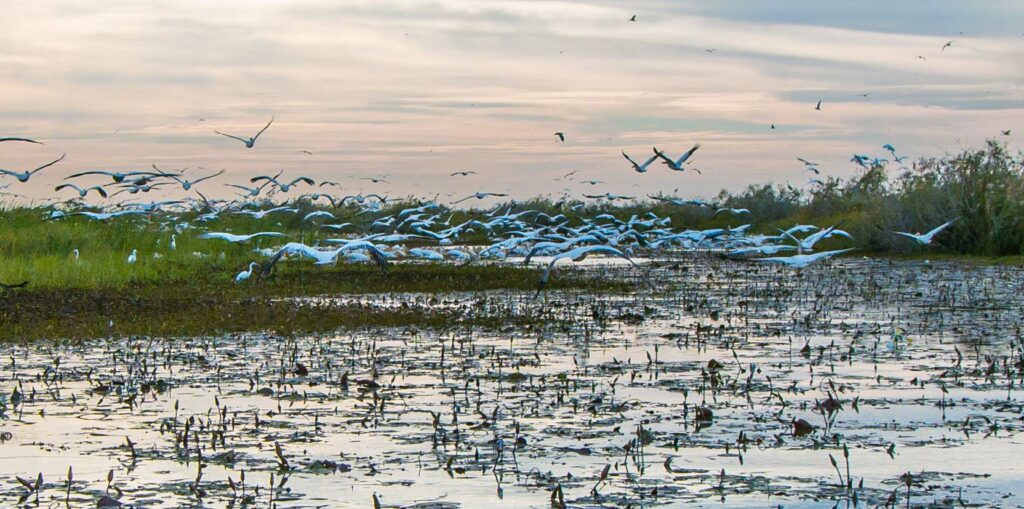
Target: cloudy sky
column 416, row 90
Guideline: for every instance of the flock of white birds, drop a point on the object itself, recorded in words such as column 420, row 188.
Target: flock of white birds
column 510, row 230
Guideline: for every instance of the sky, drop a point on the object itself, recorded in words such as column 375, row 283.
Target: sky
column 416, row 90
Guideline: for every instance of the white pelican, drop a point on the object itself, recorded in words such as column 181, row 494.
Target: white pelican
column 230, row 237
column 677, row 165
column 576, row 255
column 802, row 260
column 251, row 141
column 926, row 238
column 640, row 168
column 82, row 192
column 23, row 176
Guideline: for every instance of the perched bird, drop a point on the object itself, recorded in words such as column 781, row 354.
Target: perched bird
column 640, row 168
column 23, row 176
column 250, row 141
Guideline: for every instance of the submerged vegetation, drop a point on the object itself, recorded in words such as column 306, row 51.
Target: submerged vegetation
column 720, row 384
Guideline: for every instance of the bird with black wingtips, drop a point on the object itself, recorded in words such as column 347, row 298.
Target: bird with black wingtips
column 23, row 176
column 249, row 142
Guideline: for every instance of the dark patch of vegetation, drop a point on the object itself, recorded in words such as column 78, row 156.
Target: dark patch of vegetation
column 215, row 305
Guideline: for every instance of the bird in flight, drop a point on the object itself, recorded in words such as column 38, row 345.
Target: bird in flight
column 818, row 106
column 677, row 165
column 921, row 57
column 82, row 192
column 576, row 255
column 118, row 177
column 947, row 45
column 802, row 260
column 26, row 140
column 375, row 180
column 926, row 238
column 251, row 141
column 1006, row 132
column 464, row 173
column 230, row 237
column 640, row 168
column 284, row 187
column 478, row 196
column 561, row 136
column 187, row 184
column 633, row 19
column 23, row 176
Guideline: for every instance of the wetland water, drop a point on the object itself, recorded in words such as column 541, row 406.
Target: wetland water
column 687, row 391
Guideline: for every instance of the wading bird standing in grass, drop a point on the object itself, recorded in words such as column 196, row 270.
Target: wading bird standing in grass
column 174, row 243
column 250, row 141
column 639, row 168
column 576, row 255
column 925, row 239
column 23, row 176
column 134, row 256
column 802, row 260
column 246, row 274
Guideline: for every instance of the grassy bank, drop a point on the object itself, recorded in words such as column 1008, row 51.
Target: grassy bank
column 209, row 305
